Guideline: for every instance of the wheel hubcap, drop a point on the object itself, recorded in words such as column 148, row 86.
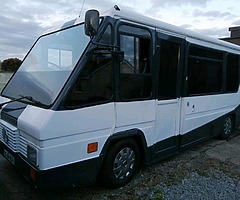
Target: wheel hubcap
column 124, row 163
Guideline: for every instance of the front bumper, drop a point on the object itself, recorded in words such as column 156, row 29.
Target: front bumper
column 78, row 174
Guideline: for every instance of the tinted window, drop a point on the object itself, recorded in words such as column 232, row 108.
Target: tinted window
column 135, row 70
column 94, row 84
column 204, row 74
column 232, row 73
column 169, row 62
column 205, row 53
column 107, row 36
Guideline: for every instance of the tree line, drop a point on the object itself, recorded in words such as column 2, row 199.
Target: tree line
column 11, row 64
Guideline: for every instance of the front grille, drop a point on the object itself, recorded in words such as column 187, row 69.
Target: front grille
column 23, row 146
column 9, row 135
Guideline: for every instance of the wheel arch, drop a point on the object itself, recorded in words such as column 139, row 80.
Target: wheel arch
column 232, row 118
column 135, row 134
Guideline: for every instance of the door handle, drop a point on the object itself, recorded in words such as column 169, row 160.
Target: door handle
column 193, row 108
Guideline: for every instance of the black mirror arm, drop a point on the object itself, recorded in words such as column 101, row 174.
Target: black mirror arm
column 97, row 44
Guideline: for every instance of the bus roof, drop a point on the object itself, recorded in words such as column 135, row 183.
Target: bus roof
column 189, row 35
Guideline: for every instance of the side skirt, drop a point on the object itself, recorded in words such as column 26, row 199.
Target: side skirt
column 170, row 146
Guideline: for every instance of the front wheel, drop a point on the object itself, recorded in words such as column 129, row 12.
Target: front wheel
column 227, row 128
column 121, row 163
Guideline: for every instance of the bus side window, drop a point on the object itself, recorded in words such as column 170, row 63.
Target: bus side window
column 94, row 84
column 107, row 36
column 135, row 70
column 232, row 73
column 205, row 69
column 169, row 63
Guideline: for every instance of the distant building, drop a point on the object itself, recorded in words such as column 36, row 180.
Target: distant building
column 234, row 36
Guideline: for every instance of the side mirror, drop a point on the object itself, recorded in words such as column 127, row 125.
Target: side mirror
column 91, row 22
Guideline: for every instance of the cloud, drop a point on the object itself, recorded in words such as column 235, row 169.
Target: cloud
column 164, row 3
column 22, row 21
column 17, row 33
column 212, row 14
column 236, row 23
column 214, row 32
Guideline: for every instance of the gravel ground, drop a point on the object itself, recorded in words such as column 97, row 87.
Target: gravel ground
column 193, row 186
column 190, row 174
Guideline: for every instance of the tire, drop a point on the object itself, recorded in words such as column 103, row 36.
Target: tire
column 121, row 163
column 227, row 128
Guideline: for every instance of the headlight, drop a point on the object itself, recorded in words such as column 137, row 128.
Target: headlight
column 32, row 155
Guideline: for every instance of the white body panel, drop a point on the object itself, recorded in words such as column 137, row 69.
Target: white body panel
column 168, row 113
column 200, row 110
column 139, row 115
column 67, row 133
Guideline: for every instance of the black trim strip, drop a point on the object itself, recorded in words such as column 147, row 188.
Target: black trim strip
column 11, row 112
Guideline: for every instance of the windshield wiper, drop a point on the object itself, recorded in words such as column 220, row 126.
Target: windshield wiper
column 29, row 98
column 18, row 99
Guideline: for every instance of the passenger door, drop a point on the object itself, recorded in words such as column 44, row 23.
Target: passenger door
column 135, row 107
column 169, row 71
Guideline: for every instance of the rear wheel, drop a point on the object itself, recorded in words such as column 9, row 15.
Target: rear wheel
column 227, row 128
column 121, row 163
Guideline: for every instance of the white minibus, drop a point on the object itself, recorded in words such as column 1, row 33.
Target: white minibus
column 104, row 94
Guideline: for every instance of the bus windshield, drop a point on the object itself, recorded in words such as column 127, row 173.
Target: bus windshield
column 48, row 65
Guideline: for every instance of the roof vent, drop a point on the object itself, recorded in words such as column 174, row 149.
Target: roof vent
column 117, row 8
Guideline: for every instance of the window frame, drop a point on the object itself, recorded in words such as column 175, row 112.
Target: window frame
column 86, row 60
column 226, row 73
column 129, row 31
column 203, row 58
column 180, row 69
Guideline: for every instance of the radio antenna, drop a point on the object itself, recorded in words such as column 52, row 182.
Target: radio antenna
column 82, row 8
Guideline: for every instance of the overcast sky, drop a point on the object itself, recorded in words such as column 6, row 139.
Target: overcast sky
column 22, row 21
